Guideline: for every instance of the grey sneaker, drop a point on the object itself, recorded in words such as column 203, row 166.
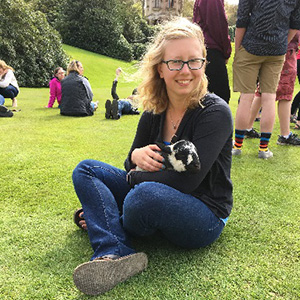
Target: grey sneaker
column 291, row 140
column 236, row 152
column 265, row 154
column 252, row 134
column 99, row 276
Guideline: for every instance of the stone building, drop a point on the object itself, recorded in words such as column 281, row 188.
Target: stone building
column 156, row 11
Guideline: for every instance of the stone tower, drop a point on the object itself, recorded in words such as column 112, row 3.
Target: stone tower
column 156, row 11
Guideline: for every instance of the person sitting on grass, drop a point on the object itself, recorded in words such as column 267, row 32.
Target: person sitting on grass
column 118, row 107
column 76, row 93
column 55, row 86
column 189, row 209
column 9, row 87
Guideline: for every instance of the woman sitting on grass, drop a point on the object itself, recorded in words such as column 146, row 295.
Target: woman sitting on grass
column 9, row 87
column 55, row 86
column 190, row 210
column 76, row 93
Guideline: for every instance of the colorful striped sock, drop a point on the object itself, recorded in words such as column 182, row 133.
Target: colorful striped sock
column 264, row 141
column 239, row 138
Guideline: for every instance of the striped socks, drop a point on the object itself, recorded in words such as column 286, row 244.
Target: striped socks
column 264, row 141
column 239, row 138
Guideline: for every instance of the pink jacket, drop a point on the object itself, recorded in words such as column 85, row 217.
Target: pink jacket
column 55, row 91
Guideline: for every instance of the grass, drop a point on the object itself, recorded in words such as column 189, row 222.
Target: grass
column 257, row 256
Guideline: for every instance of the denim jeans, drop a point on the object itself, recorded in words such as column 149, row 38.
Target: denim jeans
column 124, row 107
column 113, row 211
column 9, row 92
column 2, row 100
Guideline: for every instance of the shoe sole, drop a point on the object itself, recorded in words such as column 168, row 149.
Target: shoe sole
column 107, row 109
column 99, row 276
column 114, row 110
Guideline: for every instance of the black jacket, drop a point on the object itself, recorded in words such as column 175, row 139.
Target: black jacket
column 74, row 97
column 210, row 129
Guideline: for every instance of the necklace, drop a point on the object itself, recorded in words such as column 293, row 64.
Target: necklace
column 175, row 125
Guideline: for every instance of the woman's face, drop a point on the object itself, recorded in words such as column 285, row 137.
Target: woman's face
column 1, row 71
column 60, row 74
column 80, row 68
column 181, row 83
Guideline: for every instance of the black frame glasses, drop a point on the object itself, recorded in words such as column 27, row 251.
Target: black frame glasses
column 172, row 62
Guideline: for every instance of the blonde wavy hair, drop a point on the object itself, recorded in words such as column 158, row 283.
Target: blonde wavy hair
column 152, row 91
column 73, row 66
column 4, row 66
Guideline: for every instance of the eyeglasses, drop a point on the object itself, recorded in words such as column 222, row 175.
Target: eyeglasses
column 177, row 65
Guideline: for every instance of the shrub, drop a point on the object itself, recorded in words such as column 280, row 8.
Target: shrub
column 110, row 28
column 29, row 44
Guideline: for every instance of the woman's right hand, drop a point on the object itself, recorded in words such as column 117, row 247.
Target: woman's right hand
column 147, row 158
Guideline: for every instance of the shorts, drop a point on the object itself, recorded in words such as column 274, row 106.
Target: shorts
column 285, row 89
column 248, row 67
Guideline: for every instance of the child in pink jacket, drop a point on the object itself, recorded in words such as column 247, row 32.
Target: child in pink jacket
column 55, row 86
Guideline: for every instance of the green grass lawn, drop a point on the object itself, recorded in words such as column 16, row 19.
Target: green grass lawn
column 257, row 256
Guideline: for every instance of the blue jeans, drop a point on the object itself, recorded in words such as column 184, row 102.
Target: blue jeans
column 124, row 107
column 113, row 210
column 2, row 100
column 9, row 92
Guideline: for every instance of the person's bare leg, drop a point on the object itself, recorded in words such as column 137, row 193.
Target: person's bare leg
column 268, row 112
column 255, row 107
column 284, row 111
column 242, row 116
column 14, row 102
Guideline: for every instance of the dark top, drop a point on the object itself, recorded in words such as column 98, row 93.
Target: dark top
column 267, row 24
column 75, row 99
column 210, row 129
column 211, row 17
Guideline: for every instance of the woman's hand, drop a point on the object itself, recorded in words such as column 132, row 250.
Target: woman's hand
column 147, row 158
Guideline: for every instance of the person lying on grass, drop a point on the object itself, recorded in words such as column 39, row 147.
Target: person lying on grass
column 117, row 107
column 189, row 209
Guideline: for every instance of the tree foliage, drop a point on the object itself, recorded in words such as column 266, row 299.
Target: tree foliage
column 112, row 28
column 29, row 44
column 231, row 12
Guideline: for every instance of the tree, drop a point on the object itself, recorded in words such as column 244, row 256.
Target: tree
column 29, row 44
column 231, row 12
column 188, row 9
column 111, row 28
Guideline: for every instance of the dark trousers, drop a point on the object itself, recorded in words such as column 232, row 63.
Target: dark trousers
column 9, row 92
column 296, row 101
column 217, row 75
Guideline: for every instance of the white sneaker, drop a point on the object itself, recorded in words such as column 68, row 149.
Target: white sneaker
column 236, row 152
column 265, row 154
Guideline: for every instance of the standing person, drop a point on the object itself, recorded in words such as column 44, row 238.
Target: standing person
column 190, row 210
column 76, row 93
column 264, row 28
column 296, row 101
column 118, row 107
column 211, row 17
column 55, row 87
column 284, row 95
column 9, row 87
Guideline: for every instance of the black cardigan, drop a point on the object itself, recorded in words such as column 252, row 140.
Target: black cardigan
column 210, row 129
